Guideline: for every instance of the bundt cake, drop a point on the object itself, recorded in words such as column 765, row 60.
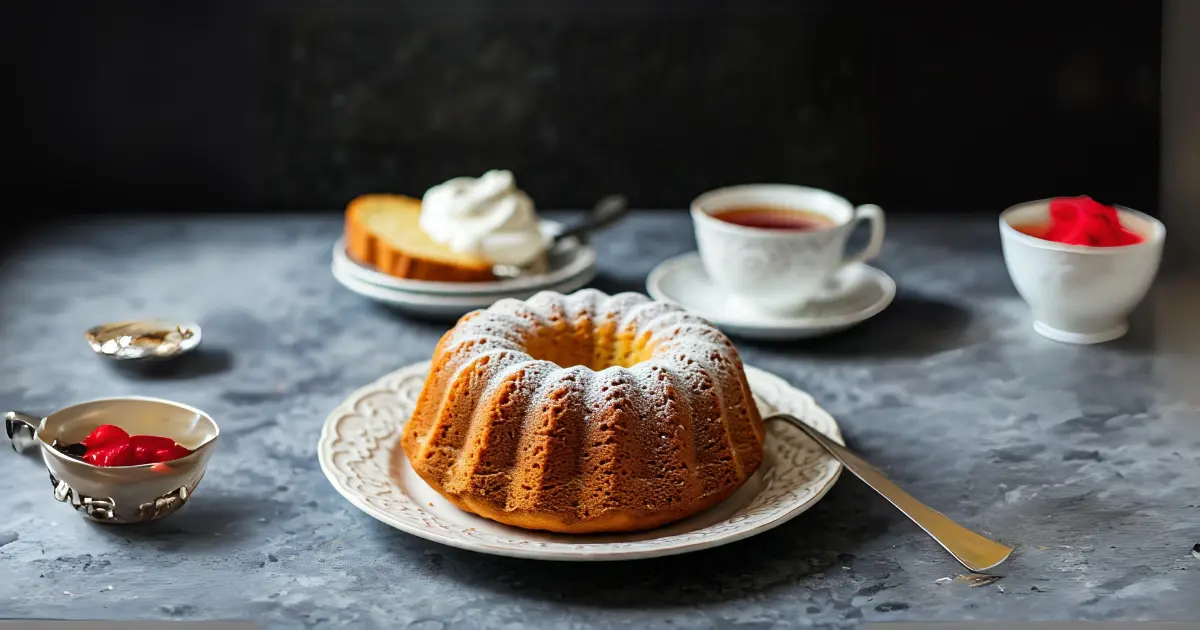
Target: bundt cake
column 585, row 413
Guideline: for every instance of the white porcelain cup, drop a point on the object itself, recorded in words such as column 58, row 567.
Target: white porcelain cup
column 779, row 270
column 1080, row 294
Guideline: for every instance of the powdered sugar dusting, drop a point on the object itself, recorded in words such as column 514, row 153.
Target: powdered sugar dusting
column 674, row 334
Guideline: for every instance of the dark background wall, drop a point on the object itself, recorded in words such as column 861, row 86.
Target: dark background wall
column 271, row 105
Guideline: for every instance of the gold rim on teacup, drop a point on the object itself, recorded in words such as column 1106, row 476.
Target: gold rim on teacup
column 120, row 494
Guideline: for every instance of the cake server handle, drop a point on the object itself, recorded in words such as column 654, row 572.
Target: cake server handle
column 976, row 553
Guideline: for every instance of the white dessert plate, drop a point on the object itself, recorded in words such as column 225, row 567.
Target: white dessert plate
column 360, row 456
column 565, row 263
column 855, row 294
column 446, row 306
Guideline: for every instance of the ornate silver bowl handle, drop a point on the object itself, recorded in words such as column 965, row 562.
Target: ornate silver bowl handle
column 20, row 428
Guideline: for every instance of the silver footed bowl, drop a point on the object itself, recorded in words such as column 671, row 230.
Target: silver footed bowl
column 119, row 494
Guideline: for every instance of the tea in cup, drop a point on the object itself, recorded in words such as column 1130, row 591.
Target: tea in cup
column 776, row 246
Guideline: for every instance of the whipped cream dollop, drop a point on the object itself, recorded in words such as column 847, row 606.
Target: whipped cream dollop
column 486, row 216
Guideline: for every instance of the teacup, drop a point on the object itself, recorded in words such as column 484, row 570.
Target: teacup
column 780, row 270
column 120, row 494
column 1079, row 294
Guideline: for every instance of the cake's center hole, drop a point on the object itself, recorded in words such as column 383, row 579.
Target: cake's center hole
column 595, row 349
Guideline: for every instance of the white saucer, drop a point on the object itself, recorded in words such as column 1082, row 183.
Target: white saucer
column 856, row 294
column 565, row 263
column 358, row 455
column 447, row 307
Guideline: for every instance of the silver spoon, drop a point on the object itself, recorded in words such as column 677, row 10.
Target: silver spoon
column 973, row 551
column 603, row 214
column 606, row 212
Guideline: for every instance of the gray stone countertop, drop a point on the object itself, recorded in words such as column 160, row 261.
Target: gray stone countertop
column 1086, row 458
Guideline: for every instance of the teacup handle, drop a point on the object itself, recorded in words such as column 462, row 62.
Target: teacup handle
column 21, row 429
column 874, row 214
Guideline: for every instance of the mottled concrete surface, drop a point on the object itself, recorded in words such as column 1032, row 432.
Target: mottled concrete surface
column 1086, row 458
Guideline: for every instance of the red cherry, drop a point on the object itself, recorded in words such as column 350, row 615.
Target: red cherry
column 152, row 449
column 145, row 447
column 1130, row 238
column 115, row 454
column 1085, row 221
column 174, row 452
column 105, row 434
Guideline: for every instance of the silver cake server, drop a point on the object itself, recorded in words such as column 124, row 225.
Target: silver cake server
column 973, row 551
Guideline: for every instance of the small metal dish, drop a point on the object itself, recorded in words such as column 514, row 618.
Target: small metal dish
column 143, row 339
column 120, row 494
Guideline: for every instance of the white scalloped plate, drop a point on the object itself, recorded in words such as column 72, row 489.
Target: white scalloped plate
column 359, row 439
column 449, row 307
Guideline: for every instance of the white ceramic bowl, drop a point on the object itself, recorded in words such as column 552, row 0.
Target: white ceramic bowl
column 1080, row 294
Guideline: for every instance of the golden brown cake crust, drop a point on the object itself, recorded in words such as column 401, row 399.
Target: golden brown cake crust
column 584, row 414
column 368, row 247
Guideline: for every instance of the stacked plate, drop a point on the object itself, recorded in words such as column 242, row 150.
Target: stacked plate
column 572, row 264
